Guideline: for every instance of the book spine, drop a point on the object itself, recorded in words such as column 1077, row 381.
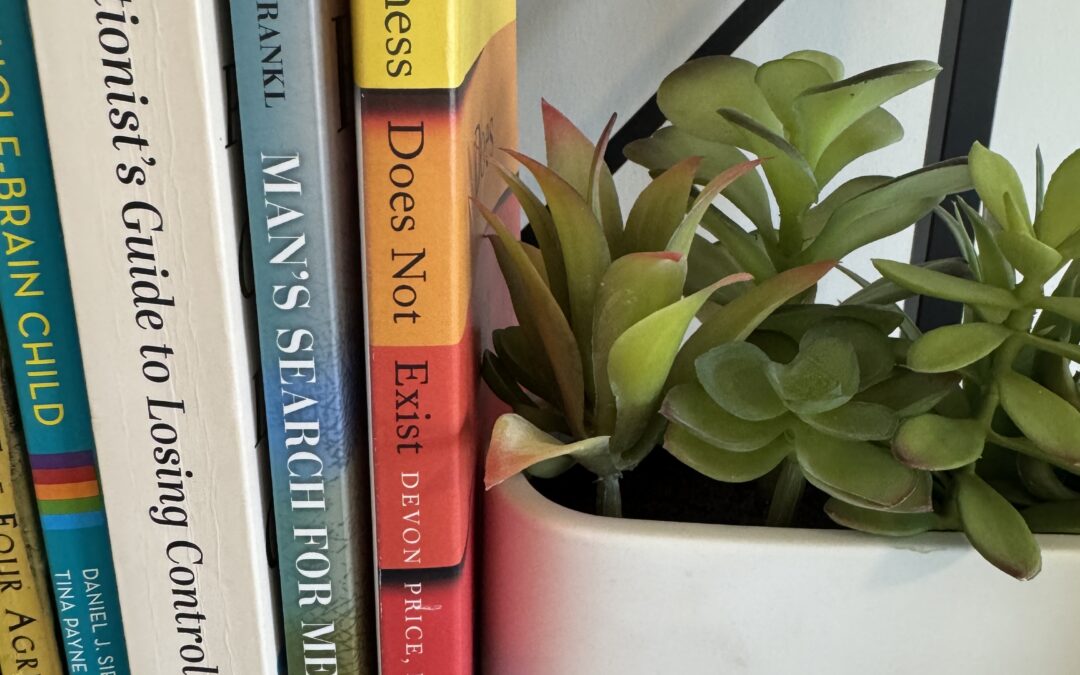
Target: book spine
column 143, row 123
column 436, row 91
column 27, row 628
column 39, row 319
column 293, row 65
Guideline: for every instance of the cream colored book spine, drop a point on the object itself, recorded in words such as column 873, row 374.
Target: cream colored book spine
column 145, row 141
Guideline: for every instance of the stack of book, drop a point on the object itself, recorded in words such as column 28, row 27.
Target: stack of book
column 242, row 291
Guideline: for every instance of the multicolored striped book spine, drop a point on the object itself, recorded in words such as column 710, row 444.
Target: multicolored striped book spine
column 437, row 88
column 35, row 296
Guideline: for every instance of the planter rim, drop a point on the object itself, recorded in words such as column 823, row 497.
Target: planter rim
column 519, row 494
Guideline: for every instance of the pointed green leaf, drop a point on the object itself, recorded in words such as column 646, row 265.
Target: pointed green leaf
column 995, row 269
column 817, row 216
column 954, row 221
column 872, row 348
column 740, row 245
column 517, row 356
column 875, row 130
column 722, row 465
column 501, row 383
column 823, row 376
column 953, row 347
column 910, row 393
column 1043, row 416
column 798, row 320
column 584, row 245
column 879, row 522
column 784, row 79
column 857, row 468
column 995, row 528
column 516, row 445
column 937, row 443
column 1059, row 217
column 640, row 361
column 535, row 303
column 635, row 286
column 659, row 208
column 740, row 317
column 993, row 177
column 734, row 376
column 683, row 235
column 691, row 95
column 830, row 63
column 856, row 421
column 1053, row 517
column 1028, row 255
column 601, row 194
column 828, row 110
column 1062, row 306
column 691, row 407
column 1064, row 349
column 707, row 262
column 939, row 285
column 670, row 145
column 537, row 261
column 885, row 291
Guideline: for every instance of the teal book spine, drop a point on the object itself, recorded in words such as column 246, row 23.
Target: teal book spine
column 35, row 298
column 293, row 73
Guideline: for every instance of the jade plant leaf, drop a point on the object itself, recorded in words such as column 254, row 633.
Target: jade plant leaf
column 994, row 177
column 828, row 110
column 937, row 443
column 1028, row 255
column 641, row 359
column 734, row 375
column 690, row 406
column 723, row 465
column 635, row 286
column 1041, row 480
column 880, row 522
column 784, row 79
column 691, row 95
column 910, row 393
column 856, row 421
column 854, row 468
column 875, row 130
column 1045, row 418
column 953, row 347
column 823, row 376
column 516, row 445
column 659, row 208
column 1058, row 219
column 1062, row 306
column 939, row 285
column 1053, row 517
column 995, row 528
column 885, row 291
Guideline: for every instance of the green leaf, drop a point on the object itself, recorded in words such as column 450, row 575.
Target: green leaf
column 995, row 269
column 1045, row 418
column 954, row 221
column 635, row 286
column 797, row 320
column 939, row 285
column 910, row 393
column 516, row 353
column 601, row 194
column 741, row 316
column 880, row 522
column 1059, row 219
column 734, row 375
column 641, row 359
column 683, row 235
column 670, row 145
column 826, row 111
column 872, row 348
column 516, row 445
column 740, row 244
column 995, row 528
column 1027, row 254
column 1041, row 480
column 722, row 465
column 887, row 209
column 784, row 79
column 1053, row 517
column 885, row 291
column 856, row 421
column 659, row 208
column 533, row 301
column 1040, row 183
column 501, row 383
column 584, row 246
column 1057, row 347
column 953, row 347
column 691, row 407
column 937, row 443
column 875, row 130
column 993, row 177
column 691, row 95
column 856, row 468
column 830, row 63
column 707, row 262
column 823, row 376
column 817, row 216
column 1062, row 306
column 777, row 346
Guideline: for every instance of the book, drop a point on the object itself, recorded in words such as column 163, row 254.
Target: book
column 293, row 65
column 437, row 89
column 142, row 117
column 27, row 624
column 39, row 320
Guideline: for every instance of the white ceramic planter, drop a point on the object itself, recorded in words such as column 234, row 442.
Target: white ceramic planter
column 565, row 593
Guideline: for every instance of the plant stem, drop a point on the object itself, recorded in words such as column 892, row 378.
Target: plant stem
column 609, row 496
column 786, row 495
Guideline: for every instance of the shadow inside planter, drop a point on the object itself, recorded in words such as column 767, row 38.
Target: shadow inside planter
column 663, row 488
